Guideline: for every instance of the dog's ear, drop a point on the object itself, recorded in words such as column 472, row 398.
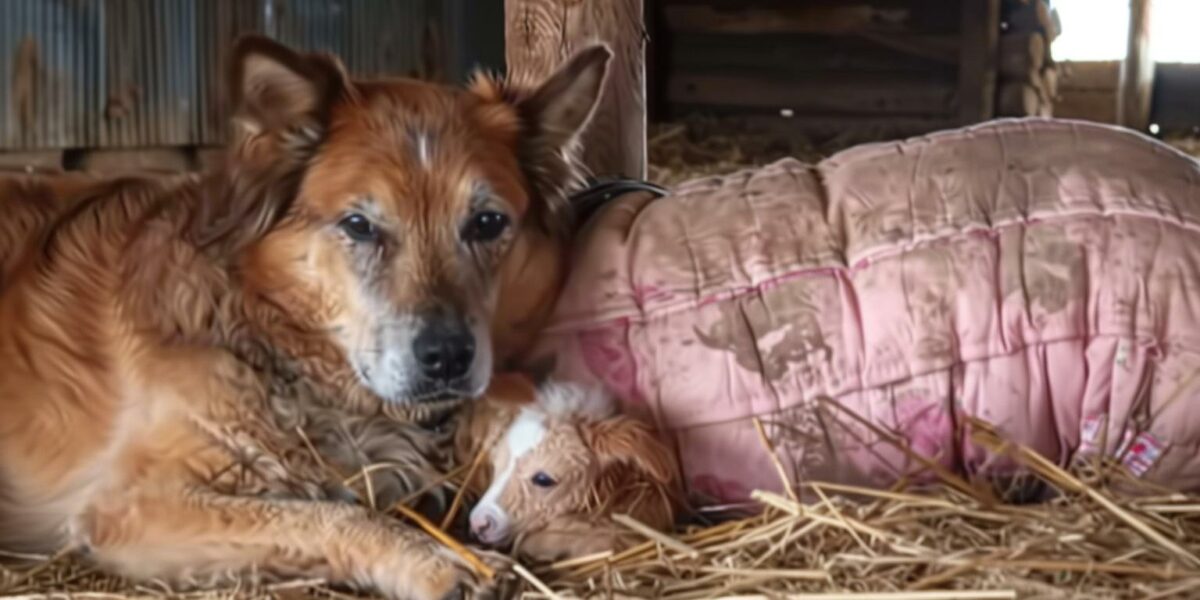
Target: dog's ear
column 625, row 441
column 553, row 117
column 562, row 105
column 276, row 89
column 282, row 100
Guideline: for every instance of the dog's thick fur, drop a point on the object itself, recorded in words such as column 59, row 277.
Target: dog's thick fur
column 167, row 347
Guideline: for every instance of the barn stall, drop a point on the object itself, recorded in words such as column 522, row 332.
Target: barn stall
column 722, row 87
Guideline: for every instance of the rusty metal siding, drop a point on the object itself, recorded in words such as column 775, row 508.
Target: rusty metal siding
column 217, row 26
column 372, row 37
column 151, row 73
column 149, row 81
column 49, row 73
column 468, row 39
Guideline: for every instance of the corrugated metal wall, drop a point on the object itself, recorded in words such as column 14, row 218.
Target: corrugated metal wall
column 151, row 73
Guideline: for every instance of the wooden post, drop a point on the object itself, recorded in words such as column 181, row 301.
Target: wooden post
column 540, row 34
column 1137, row 70
column 980, row 39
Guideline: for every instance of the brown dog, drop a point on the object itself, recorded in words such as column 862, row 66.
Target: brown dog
column 161, row 342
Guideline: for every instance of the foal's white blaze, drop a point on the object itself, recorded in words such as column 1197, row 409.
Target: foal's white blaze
column 523, row 435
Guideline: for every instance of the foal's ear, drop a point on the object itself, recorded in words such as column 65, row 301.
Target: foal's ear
column 507, row 393
column 626, row 441
column 274, row 88
column 512, row 390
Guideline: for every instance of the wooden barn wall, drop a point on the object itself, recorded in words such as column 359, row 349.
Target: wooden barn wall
column 810, row 63
column 150, row 73
column 1088, row 91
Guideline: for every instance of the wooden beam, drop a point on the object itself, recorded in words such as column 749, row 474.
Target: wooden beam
column 1022, row 55
column 541, row 34
column 942, row 48
column 1102, row 76
column 850, row 18
column 1086, row 105
column 980, row 33
column 1034, row 16
column 1137, row 70
column 1018, row 99
column 797, row 57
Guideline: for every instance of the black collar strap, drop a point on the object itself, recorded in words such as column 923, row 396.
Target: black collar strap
column 600, row 190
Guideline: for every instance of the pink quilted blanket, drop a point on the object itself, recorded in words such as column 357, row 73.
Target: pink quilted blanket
column 1041, row 275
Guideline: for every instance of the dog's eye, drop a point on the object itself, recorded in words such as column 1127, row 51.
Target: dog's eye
column 485, row 226
column 358, row 228
column 543, row 480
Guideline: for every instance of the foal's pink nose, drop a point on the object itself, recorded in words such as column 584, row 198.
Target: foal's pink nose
column 482, row 525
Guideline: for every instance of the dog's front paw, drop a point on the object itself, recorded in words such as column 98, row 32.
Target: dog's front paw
column 447, row 575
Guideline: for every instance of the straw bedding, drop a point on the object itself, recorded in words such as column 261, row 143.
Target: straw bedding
column 699, row 146
column 1102, row 534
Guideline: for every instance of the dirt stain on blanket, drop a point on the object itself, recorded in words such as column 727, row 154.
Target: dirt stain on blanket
column 1048, row 268
column 768, row 341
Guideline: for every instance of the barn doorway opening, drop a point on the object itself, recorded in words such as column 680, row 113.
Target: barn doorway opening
column 1098, row 30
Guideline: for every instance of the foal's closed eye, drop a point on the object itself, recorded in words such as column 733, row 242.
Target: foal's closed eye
column 543, row 480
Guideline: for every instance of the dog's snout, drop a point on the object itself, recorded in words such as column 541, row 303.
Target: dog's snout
column 445, row 350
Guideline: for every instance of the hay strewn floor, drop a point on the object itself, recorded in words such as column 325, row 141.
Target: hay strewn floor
column 1186, row 144
column 700, row 146
column 949, row 541
column 1104, row 536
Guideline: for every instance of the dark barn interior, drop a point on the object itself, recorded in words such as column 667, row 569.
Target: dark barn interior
column 119, row 83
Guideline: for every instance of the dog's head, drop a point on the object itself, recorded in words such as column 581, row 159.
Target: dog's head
column 401, row 204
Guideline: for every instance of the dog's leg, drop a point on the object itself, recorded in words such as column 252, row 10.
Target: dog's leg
column 201, row 537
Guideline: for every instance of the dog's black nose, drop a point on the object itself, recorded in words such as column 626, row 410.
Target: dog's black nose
column 444, row 350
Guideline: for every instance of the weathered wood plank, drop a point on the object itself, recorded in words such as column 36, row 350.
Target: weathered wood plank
column 798, row 55
column 1022, row 55
column 541, row 34
column 942, row 48
column 1018, row 99
column 977, row 68
column 919, row 16
column 1101, row 75
column 1137, row 70
column 1088, row 105
column 1034, row 16
column 849, row 18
